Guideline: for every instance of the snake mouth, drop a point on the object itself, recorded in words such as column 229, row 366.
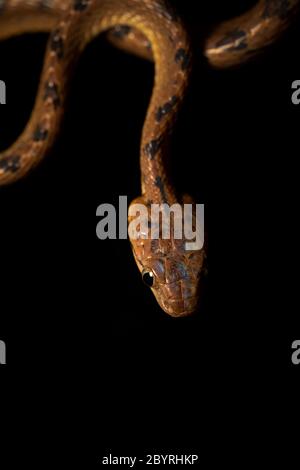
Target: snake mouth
column 180, row 307
column 179, row 298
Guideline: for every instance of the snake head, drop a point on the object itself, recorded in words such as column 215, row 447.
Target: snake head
column 175, row 281
column 172, row 272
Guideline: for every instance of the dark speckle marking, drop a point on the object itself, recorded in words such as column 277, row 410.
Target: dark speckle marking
column 11, row 163
column 81, row 5
column 160, row 185
column 2, row 5
column 51, row 91
column 182, row 57
column 45, row 4
column 182, row 270
column 154, row 246
column 57, row 44
column 166, row 108
column 170, row 14
column 121, row 31
column 278, row 8
column 152, row 148
column 239, row 47
column 149, row 203
column 231, row 37
column 40, row 134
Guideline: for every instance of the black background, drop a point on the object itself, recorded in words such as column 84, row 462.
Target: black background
column 79, row 324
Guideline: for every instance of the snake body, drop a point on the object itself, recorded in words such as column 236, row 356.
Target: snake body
column 151, row 29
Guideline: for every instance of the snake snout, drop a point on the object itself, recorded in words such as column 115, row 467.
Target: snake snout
column 179, row 299
column 180, row 308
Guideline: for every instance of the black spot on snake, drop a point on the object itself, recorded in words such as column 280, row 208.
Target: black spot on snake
column 166, row 108
column 182, row 57
column 152, row 148
column 232, row 36
column 45, row 4
column 169, row 14
column 278, row 8
column 11, row 163
column 51, row 91
column 81, row 5
column 2, row 5
column 149, row 203
column 57, row 44
column 159, row 184
column 121, row 31
column 154, row 245
column 239, row 47
column 182, row 270
column 40, row 134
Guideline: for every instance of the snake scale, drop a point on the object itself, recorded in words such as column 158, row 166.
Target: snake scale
column 151, row 29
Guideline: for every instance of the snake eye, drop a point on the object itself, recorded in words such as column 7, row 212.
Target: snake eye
column 148, row 278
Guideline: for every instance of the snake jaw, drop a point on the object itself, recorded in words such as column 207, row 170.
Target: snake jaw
column 177, row 282
column 178, row 304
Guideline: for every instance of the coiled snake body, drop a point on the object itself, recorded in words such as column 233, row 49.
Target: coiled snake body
column 151, row 29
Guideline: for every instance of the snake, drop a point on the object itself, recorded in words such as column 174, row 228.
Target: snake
column 151, row 29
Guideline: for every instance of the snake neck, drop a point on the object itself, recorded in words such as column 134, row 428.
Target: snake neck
column 170, row 46
column 82, row 22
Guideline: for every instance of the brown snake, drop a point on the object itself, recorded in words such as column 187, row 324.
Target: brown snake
column 151, row 29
